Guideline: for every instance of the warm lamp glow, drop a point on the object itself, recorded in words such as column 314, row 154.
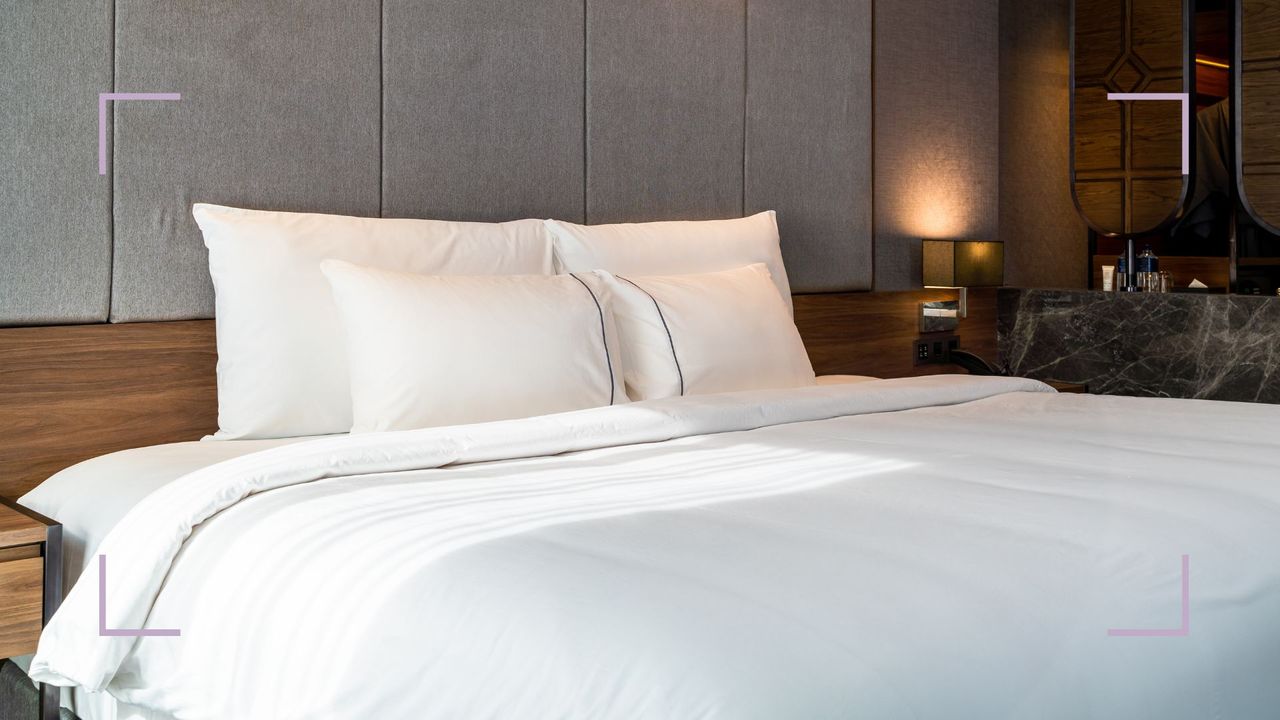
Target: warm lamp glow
column 939, row 197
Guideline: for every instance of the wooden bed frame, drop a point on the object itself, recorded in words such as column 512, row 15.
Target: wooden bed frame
column 69, row 393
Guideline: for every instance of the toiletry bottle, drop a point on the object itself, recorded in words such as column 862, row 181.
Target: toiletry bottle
column 1122, row 276
column 1148, row 271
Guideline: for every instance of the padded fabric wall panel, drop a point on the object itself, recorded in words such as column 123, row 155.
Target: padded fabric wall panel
column 280, row 110
column 808, row 149
column 483, row 108
column 937, row 129
column 665, row 102
column 55, row 241
column 1046, row 242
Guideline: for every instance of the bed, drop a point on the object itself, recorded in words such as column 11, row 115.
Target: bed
column 921, row 548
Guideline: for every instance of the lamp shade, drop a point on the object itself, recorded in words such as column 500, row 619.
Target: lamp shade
column 963, row 263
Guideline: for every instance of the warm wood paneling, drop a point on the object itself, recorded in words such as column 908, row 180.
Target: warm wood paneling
column 1258, row 109
column 874, row 333
column 71, row 393
column 1127, row 155
column 18, row 529
column 22, row 598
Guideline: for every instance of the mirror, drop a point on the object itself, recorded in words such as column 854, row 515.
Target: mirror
column 1127, row 169
column 1258, row 131
column 1257, row 146
column 1220, row 225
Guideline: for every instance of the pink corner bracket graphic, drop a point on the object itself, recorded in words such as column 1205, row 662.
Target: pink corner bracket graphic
column 1185, row 99
column 103, row 630
column 102, row 118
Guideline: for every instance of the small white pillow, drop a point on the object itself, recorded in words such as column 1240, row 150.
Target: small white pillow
column 427, row 351
column 707, row 333
column 282, row 370
column 672, row 248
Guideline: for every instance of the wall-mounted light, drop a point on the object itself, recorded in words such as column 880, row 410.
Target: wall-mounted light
column 959, row 265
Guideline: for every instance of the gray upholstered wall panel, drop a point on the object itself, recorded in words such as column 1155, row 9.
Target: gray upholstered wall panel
column 665, row 105
column 483, row 108
column 809, row 136
column 280, row 109
column 937, row 129
column 55, row 242
column 1046, row 242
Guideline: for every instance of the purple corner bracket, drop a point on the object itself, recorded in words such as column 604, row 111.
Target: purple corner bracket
column 1185, row 99
column 103, row 630
column 102, row 118
column 1186, row 611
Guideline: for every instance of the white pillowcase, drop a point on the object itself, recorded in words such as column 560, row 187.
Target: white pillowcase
column 282, row 368
column 706, row 333
column 427, row 351
column 672, row 248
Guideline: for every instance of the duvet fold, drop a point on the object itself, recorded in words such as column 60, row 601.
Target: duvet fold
column 142, row 548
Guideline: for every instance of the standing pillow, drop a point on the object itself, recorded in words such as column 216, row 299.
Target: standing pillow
column 427, row 351
column 706, row 333
column 282, row 368
column 672, row 248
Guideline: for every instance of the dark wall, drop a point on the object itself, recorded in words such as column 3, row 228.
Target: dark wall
column 937, row 127
column 1046, row 242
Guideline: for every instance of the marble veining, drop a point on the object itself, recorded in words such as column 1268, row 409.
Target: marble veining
column 1216, row 347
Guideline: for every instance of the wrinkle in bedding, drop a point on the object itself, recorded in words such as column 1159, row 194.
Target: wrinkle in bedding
column 824, row 563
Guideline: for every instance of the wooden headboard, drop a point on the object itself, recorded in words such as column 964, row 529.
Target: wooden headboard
column 69, row 393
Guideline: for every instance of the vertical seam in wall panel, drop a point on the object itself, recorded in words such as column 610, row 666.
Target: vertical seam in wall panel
column 586, row 126
column 746, row 86
column 109, row 120
column 871, row 64
column 382, row 107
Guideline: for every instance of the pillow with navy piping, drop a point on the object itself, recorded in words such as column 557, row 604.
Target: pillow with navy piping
column 706, row 333
column 434, row 350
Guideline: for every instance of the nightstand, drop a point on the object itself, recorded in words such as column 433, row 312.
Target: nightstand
column 30, row 585
column 1067, row 387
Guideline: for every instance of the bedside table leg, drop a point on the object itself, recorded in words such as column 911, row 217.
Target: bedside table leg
column 49, row 701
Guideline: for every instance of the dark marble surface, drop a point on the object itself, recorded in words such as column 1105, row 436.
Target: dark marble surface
column 1218, row 347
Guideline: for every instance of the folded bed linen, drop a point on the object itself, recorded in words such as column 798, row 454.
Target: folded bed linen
column 934, row 547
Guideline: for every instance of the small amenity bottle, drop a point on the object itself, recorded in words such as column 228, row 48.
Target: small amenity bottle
column 1148, row 271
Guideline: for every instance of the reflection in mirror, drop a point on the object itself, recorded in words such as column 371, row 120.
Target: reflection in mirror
column 1260, row 109
column 1126, row 155
column 1258, row 146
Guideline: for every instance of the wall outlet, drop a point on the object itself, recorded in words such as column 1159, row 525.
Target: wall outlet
column 923, row 352
column 934, row 351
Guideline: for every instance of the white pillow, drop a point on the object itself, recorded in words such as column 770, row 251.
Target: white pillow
column 707, row 333
column 429, row 350
column 672, row 248
column 282, row 369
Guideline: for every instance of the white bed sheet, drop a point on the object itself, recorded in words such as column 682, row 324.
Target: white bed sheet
column 954, row 561
column 91, row 497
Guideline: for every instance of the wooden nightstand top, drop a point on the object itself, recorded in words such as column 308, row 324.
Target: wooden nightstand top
column 1067, row 387
column 18, row 528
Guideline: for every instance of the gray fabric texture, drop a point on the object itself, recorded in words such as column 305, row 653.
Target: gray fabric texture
column 483, row 109
column 585, row 110
column 55, row 246
column 665, row 100
column 279, row 110
column 937, row 119
column 18, row 697
column 808, row 148
column 1046, row 241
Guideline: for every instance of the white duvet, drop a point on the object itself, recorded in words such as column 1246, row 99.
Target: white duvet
column 927, row 548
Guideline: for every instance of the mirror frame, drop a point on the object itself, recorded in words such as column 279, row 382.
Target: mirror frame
column 1238, row 117
column 1188, row 86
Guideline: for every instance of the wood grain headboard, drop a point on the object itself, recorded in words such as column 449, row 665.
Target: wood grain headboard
column 69, row 393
